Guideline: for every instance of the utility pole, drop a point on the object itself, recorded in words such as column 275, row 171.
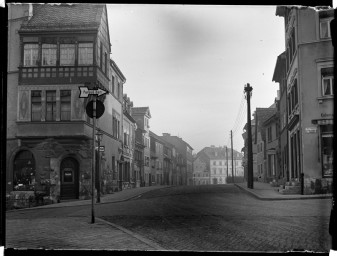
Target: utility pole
column 93, row 161
column 227, row 161
column 250, row 182
column 232, row 156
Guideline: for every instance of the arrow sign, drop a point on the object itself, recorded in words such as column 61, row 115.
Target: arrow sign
column 85, row 91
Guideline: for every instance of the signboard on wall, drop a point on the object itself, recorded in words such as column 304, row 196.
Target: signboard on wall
column 311, row 130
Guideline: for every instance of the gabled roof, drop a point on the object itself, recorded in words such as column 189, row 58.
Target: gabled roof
column 156, row 137
column 262, row 114
column 127, row 115
column 214, row 153
column 141, row 110
column 64, row 16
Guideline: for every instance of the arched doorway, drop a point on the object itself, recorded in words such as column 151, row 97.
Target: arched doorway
column 24, row 171
column 69, row 178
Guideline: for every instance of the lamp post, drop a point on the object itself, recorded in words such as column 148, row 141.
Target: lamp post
column 99, row 137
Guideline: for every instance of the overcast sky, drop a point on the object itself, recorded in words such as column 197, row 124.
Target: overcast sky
column 189, row 64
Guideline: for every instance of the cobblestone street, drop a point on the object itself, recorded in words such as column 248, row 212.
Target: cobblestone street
column 204, row 218
column 45, row 233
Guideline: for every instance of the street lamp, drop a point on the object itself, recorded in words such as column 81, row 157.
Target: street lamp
column 99, row 137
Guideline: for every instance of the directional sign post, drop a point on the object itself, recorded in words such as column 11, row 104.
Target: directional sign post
column 84, row 93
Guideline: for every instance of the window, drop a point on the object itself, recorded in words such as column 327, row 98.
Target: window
column 324, row 27
column 30, row 54
column 214, row 162
column 113, row 85
column 24, row 171
column 269, row 134
column 36, row 105
column 327, row 81
column 50, row 105
column 105, row 63
column 65, row 104
column 85, row 54
column 67, row 54
column 49, row 54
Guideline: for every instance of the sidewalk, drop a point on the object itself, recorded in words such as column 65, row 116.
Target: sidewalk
column 264, row 191
column 116, row 197
column 77, row 232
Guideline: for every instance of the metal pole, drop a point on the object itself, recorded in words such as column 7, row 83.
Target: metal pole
column 98, row 182
column 227, row 161
column 232, row 157
column 250, row 183
column 93, row 162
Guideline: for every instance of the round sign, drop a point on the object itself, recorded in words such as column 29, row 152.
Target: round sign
column 99, row 108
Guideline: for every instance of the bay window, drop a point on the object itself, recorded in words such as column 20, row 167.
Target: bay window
column 49, row 54
column 30, row 54
column 67, row 54
column 85, row 53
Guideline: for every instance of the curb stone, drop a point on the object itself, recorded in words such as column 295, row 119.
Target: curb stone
column 282, row 198
column 142, row 239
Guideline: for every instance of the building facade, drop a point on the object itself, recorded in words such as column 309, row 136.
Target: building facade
column 201, row 173
column 309, row 79
column 184, row 158
column 142, row 117
column 127, row 176
column 221, row 165
column 157, row 159
column 280, row 77
column 49, row 136
column 272, row 148
column 261, row 139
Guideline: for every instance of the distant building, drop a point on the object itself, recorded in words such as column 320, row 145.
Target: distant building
column 201, row 173
column 309, row 79
column 127, row 177
column 157, row 159
column 184, row 159
column 261, row 138
column 142, row 117
column 271, row 125
column 220, row 163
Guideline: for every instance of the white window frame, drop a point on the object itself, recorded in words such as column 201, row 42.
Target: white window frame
column 324, row 21
column 49, row 55
column 330, row 79
column 31, row 50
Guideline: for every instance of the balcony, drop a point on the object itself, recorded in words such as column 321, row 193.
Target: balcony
column 78, row 129
column 57, row 74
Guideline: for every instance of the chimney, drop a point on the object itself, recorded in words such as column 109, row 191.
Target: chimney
column 166, row 134
column 30, row 11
